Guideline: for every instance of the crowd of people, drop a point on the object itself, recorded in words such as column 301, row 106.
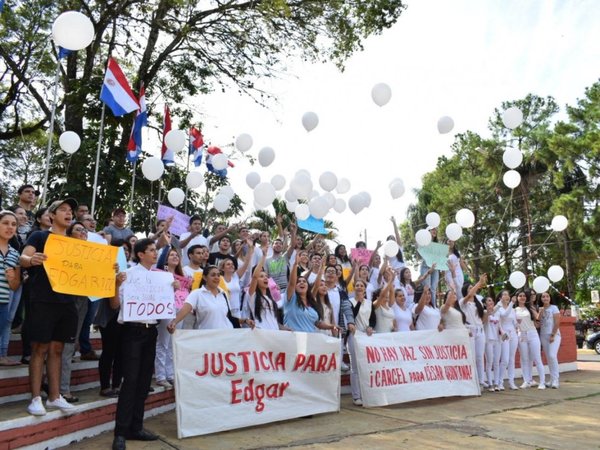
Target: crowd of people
column 265, row 279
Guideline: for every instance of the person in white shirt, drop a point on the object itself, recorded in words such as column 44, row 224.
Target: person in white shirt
column 383, row 303
column 474, row 313
column 510, row 341
column 232, row 277
column 550, row 336
column 493, row 345
column 197, row 257
column 529, row 342
column 452, row 317
column 192, row 237
column 260, row 305
column 427, row 316
column 402, row 313
column 455, row 276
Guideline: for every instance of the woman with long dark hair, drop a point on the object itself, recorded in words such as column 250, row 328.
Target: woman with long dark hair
column 409, row 286
column 510, row 341
column 455, row 276
column 550, row 336
column 529, row 341
column 10, row 280
column 474, row 313
column 493, row 345
column 341, row 256
column 320, row 293
column 383, row 303
column 260, row 306
column 452, row 317
column 426, row 316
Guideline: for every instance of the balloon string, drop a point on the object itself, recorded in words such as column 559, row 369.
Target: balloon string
column 503, row 215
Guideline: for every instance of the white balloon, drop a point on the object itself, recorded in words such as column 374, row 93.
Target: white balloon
column 176, row 197
column 278, row 182
column 355, row 203
column 266, row 156
column 153, row 168
column 69, row 141
column 559, row 223
column 302, row 212
column 72, row 30
column 318, row 207
column 343, row 186
column 445, row 124
column 290, row 196
column 329, row 198
column 517, row 279
column 219, row 161
column 328, row 181
column 394, row 181
column 366, row 198
column 512, row 157
column 340, row 205
column 465, row 218
column 310, row 120
column 390, row 248
column 397, row 190
column 301, row 186
column 512, row 118
column 556, row 273
column 264, row 194
column 453, row 231
column 252, row 179
column 221, row 203
column 304, row 172
column 227, row 191
column 291, row 206
column 243, row 142
column 194, row 180
column 175, row 140
column 541, row 284
column 381, row 94
column 433, row 220
column 423, row 238
column 314, row 194
column 511, row 179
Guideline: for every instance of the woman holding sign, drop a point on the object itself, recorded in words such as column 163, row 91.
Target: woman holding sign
column 210, row 304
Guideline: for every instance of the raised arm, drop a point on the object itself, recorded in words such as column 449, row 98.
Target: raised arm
column 475, row 288
column 379, row 244
column 217, row 237
column 257, row 270
column 354, row 270
column 242, row 270
column 315, row 288
column 396, row 231
column 292, row 281
column 425, row 275
column 294, row 230
column 422, row 301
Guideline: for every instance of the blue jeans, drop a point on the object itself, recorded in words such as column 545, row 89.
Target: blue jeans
column 4, row 329
column 15, row 299
column 85, row 346
column 431, row 280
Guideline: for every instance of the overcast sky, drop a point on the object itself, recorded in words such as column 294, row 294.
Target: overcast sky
column 459, row 58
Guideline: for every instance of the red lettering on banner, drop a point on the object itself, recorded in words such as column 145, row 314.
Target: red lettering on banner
column 408, row 353
column 373, row 354
column 458, row 373
column 450, row 351
column 426, row 352
column 256, row 393
column 309, row 363
column 251, row 361
column 388, row 377
column 229, row 361
column 434, row 373
column 416, row 377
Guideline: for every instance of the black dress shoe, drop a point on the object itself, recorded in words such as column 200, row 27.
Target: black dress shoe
column 142, row 435
column 119, row 443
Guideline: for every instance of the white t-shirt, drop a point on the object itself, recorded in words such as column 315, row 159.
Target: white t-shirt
column 374, row 274
column 492, row 327
column 385, row 319
column 547, row 319
column 189, row 272
column 470, row 310
column 403, row 318
column 334, row 299
column 268, row 315
column 429, row 318
column 361, row 321
column 409, row 295
column 524, row 320
column 459, row 277
column 235, row 294
column 211, row 311
column 198, row 240
column 453, row 319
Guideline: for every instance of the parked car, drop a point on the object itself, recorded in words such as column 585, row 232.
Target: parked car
column 593, row 341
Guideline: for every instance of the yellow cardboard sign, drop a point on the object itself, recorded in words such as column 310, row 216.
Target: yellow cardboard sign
column 198, row 279
column 80, row 267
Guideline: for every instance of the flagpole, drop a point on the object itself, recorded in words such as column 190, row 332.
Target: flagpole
column 185, row 203
column 132, row 188
column 100, row 137
column 51, row 131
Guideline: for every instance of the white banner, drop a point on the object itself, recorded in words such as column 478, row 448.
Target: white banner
column 403, row 367
column 148, row 295
column 227, row 379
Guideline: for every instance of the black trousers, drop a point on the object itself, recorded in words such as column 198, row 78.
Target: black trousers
column 138, row 348
column 110, row 359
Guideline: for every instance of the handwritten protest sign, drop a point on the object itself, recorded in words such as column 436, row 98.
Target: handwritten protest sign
column 180, row 221
column 362, row 255
column 148, row 295
column 403, row 367
column 121, row 261
column 79, row 267
column 435, row 253
column 239, row 378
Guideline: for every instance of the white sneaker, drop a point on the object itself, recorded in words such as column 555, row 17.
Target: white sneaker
column 491, row 389
column 500, row 387
column 554, row 385
column 36, row 407
column 165, row 384
column 513, row 386
column 533, row 383
column 60, row 403
column 542, row 386
column 525, row 385
column 345, row 367
column 357, row 401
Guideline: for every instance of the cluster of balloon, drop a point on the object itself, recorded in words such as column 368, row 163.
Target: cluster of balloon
column 176, row 197
column 559, row 223
column 69, row 141
column 465, row 218
column 381, row 94
column 359, row 201
column 512, row 117
column 194, row 180
column 512, row 157
column 222, row 200
column 397, row 188
column 243, row 142
column 445, row 125
column 266, row 156
column 175, row 140
column 454, row 231
column 72, row 30
column 310, row 120
column 511, row 179
column 153, row 168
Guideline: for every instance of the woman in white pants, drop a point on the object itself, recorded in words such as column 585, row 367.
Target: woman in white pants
column 493, row 345
column 510, row 341
column 529, row 342
column 550, row 336
column 473, row 310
